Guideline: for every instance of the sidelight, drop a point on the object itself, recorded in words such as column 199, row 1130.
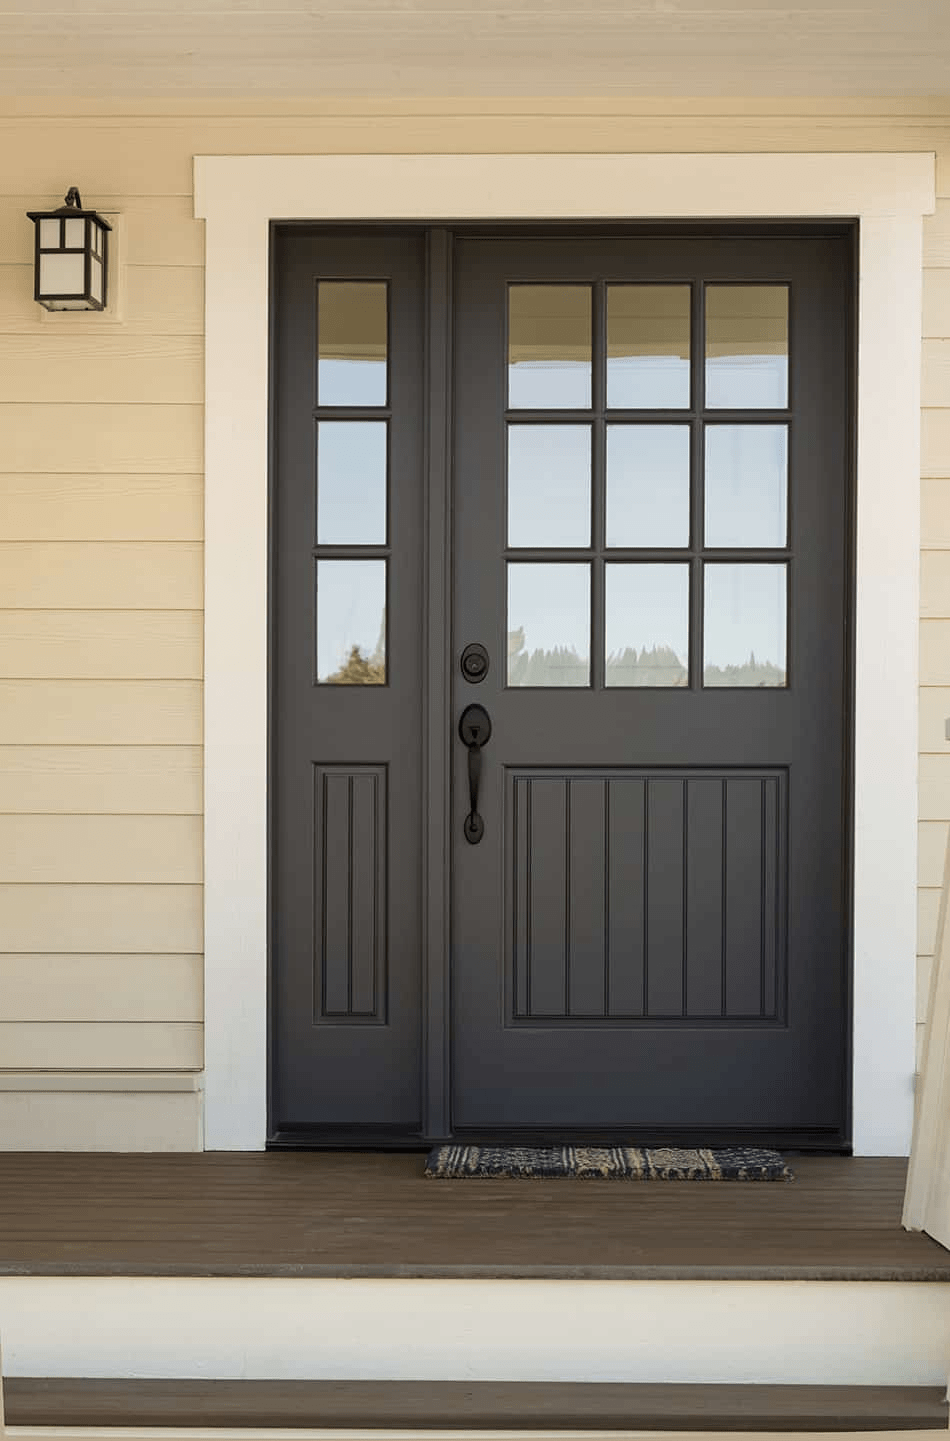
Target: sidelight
column 351, row 622
column 352, row 342
column 351, row 482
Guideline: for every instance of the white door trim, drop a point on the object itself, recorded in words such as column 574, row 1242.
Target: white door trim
column 239, row 196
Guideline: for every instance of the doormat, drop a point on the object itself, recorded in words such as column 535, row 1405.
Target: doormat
column 626, row 1163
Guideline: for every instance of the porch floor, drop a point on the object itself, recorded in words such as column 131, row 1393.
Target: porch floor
column 364, row 1214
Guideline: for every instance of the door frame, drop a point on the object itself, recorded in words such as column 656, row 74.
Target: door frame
column 240, row 197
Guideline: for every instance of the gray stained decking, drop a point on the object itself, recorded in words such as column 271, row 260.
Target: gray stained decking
column 483, row 1405
column 371, row 1214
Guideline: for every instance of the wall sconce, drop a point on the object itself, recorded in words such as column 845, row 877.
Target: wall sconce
column 70, row 257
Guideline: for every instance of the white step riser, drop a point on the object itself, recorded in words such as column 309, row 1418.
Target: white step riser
column 799, row 1332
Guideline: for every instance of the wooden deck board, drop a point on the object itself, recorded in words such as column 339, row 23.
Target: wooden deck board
column 424, row 1405
column 365, row 1214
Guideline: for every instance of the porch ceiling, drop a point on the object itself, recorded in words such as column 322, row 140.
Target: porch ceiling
column 428, row 48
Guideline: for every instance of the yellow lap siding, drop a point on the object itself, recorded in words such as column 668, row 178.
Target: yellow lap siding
column 99, row 712
column 115, row 1045
column 51, row 437
column 165, row 850
column 89, row 367
column 99, row 1121
column 118, row 918
column 103, row 507
column 128, row 987
column 138, row 780
column 113, row 644
column 156, row 300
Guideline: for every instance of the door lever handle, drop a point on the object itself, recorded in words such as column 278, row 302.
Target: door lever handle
column 475, row 732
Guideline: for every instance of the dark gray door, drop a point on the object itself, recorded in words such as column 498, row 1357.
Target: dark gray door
column 346, row 661
column 620, row 465
column 650, row 516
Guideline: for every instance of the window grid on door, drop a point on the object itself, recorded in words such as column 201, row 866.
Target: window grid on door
column 732, row 585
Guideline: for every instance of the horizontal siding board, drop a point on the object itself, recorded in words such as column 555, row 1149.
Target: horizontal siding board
column 100, row 988
column 156, row 300
column 935, row 373
column 156, row 229
column 108, row 780
column 101, row 575
column 935, row 512
column 935, row 653
column 101, row 507
column 934, row 713
column 935, row 584
column 96, row 712
column 932, row 846
column 101, row 919
column 161, row 850
column 928, row 904
column 89, row 367
column 924, row 968
column 936, row 304
column 106, row 1121
column 102, row 644
column 934, row 787
column 62, row 1045
column 935, row 442
column 937, row 236
column 50, row 437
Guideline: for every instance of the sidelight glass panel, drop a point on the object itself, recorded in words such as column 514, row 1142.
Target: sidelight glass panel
column 351, row 482
column 352, row 342
column 648, row 485
column 548, row 624
column 648, row 346
column 549, row 347
column 647, row 631
column 351, row 622
column 548, row 485
column 747, row 347
column 744, row 625
column 746, row 485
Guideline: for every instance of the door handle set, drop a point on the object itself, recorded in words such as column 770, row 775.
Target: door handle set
column 474, row 732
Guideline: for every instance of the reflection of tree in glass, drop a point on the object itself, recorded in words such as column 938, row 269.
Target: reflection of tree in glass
column 561, row 666
column 751, row 673
column 361, row 669
column 658, row 666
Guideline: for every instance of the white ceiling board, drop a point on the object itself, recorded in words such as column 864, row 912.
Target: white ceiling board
column 635, row 48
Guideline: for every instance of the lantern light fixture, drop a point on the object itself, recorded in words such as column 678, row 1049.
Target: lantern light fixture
column 70, row 256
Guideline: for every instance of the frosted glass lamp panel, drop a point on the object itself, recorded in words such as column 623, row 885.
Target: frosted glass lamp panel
column 549, row 485
column 647, row 631
column 351, row 622
column 744, row 625
column 351, row 482
column 50, row 234
column 548, row 625
column 75, row 234
column 62, row 274
column 746, row 485
column 352, row 343
column 549, row 347
column 648, row 338
column 648, row 485
column 95, row 279
column 747, row 347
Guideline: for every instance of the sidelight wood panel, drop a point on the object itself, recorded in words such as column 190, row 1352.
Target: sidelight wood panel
column 350, row 904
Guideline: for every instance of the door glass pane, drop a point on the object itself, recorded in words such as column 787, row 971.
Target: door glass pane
column 746, row 485
column 647, row 625
column 548, row 485
column 548, row 625
column 352, row 343
column 647, row 485
column 351, row 482
column 351, row 622
column 648, row 346
column 549, row 347
column 744, row 625
column 747, row 347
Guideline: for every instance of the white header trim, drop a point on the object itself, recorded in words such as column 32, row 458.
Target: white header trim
column 239, row 196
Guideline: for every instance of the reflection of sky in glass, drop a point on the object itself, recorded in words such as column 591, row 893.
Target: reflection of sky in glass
column 351, row 482
column 351, row 331
column 648, row 346
column 548, row 485
column 549, row 347
column 744, row 625
column 746, row 475
column 647, row 485
column 351, row 613
column 747, row 346
column 647, row 611
column 548, row 624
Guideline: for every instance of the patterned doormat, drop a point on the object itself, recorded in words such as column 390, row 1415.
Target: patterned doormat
column 627, row 1163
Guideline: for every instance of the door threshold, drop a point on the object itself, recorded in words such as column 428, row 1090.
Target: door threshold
column 376, row 1138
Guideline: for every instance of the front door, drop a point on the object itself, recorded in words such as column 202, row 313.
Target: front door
column 643, row 698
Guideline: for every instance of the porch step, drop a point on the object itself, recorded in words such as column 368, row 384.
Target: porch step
column 464, row 1405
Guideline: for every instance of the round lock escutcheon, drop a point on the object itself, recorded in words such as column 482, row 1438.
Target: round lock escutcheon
column 474, row 663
